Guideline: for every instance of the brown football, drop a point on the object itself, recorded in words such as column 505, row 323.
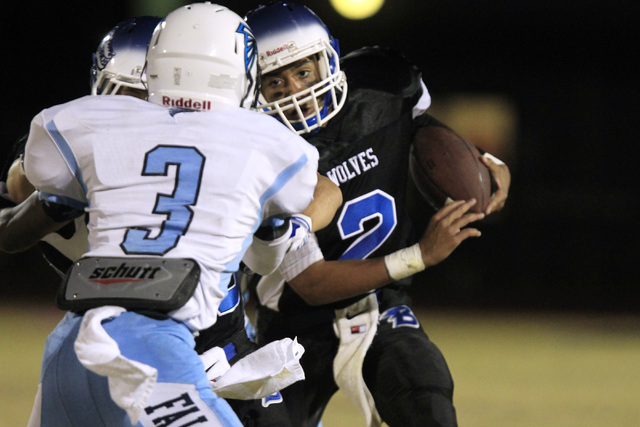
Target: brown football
column 446, row 167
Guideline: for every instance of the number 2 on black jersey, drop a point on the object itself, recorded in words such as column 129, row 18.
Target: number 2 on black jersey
column 189, row 164
column 376, row 204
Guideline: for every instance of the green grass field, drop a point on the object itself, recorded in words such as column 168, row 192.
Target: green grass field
column 511, row 369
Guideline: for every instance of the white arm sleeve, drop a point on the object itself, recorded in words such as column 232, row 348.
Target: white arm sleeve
column 270, row 287
column 295, row 262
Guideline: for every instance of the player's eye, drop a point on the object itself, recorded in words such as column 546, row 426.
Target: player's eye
column 272, row 83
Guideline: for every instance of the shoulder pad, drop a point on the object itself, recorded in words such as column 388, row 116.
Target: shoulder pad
column 382, row 69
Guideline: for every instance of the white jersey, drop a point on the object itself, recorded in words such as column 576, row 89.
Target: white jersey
column 171, row 183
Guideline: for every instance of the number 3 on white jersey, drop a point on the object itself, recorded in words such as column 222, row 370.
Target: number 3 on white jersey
column 189, row 162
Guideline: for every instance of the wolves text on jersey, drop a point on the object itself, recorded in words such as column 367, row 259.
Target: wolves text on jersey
column 354, row 166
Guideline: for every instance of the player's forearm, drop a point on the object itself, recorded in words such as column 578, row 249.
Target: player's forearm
column 329, row 281
column 24, row 225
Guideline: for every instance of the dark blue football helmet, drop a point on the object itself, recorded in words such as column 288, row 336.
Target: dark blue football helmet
column 119, row 60
column 288, row 32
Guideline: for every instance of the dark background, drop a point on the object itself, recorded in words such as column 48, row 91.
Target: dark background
column 568, row 236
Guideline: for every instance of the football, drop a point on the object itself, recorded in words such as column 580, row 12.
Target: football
column 445, row 167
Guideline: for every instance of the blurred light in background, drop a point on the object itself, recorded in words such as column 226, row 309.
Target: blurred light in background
column 357, row 9
column 488, row 120
column 155, row 7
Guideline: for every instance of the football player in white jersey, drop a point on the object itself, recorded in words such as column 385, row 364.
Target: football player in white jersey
column 174, row 188
column 117, row 70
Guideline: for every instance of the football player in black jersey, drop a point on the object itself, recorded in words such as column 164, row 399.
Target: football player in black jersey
column 344, row 294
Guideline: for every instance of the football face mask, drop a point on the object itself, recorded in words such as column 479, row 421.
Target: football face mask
column 289, row 36
column 119, row 60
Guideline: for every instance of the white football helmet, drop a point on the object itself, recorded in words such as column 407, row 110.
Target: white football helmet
column 119, row 59
column 201, row 55
column 288, row 32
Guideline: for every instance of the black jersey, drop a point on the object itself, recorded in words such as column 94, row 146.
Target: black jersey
column 365, row 150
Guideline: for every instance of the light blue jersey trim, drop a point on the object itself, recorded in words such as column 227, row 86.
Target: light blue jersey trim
column 67, row 153
column 62, row 200
column 281, row 180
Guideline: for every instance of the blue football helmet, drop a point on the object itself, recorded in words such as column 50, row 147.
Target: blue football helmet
column 119, row 60
column 286, row 33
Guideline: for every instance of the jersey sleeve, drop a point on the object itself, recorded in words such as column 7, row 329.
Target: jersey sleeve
column 293, row 188
column 383, row 69
column 384, row 87
column 423, row 103
column 51, row 166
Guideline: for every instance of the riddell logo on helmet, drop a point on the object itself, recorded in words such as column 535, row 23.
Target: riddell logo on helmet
column 278, row 49
column 186, row 103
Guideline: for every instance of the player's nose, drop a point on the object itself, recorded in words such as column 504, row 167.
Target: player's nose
column 293, row 86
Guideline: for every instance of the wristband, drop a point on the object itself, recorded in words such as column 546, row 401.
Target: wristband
column 405, row 262
column 496, row 160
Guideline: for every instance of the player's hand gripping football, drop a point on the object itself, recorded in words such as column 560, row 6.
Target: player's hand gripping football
column 501, row 180
column 446, row 231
